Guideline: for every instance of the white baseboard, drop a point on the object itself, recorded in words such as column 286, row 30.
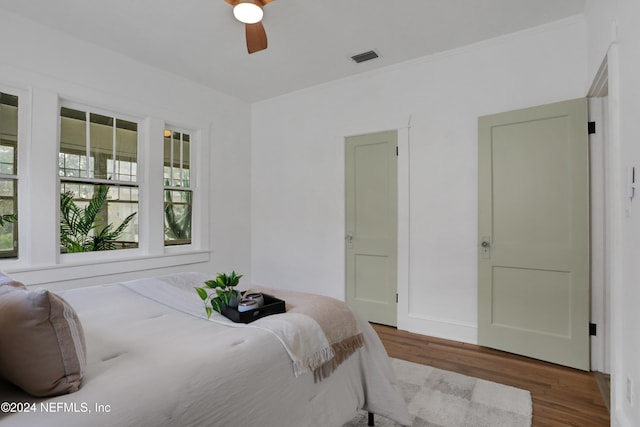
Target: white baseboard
column 620, row 420
column 440, row 328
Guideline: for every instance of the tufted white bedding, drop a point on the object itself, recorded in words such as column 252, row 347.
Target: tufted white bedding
column 151, row 365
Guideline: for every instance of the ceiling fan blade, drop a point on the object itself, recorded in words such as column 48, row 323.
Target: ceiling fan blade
column 256, row 37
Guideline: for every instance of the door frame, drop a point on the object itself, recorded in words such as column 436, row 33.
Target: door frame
column 597, row 196
column 403, row 218
column 406, row 321
column 608, row 297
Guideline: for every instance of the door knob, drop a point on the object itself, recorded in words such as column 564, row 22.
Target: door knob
column 349, row 239
column 485, row 244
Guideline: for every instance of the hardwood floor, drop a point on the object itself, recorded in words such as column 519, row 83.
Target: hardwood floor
column 561, row 396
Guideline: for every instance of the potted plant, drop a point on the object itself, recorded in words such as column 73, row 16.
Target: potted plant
column 224, row 294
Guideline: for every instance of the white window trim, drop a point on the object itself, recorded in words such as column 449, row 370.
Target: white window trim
column 14, row 176
column 194, row 136
column 199, row 186
column 23, row 147
column 106, row 256
column 39, row 257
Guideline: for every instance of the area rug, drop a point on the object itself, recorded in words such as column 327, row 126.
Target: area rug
column 438, row 398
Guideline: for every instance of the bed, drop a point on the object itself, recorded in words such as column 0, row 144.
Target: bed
column 154, row 359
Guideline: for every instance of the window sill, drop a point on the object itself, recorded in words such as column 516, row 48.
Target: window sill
column 71, row 268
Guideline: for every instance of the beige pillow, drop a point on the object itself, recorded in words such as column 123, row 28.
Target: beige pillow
column 42, row 347
column 6, row 280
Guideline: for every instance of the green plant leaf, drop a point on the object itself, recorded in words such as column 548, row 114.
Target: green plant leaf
column 222, row 280
column 202, row 293
column 216, row 304
column 124, row 224
column 209, row 311
column 234, row 278
column 211, row 284
column 177, row 224
column 7, row 219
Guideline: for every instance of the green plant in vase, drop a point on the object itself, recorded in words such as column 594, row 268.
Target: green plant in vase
column 224, row 292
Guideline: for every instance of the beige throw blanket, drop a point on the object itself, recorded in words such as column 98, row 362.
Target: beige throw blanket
column 331, row 334
column 318, row 332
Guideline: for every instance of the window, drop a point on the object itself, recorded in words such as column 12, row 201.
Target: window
column 8, row 175
column 97, row 166
column 178, row 191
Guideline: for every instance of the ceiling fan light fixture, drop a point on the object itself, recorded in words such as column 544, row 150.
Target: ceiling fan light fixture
column 248, row 12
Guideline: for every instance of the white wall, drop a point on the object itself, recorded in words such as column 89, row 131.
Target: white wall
column 614, row 30
column 45, row 66
column 298, row 166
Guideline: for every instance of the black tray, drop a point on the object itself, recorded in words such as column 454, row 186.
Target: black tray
column 272, row 305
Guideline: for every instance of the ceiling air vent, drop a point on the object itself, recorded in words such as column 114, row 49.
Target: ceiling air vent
column 365, row 56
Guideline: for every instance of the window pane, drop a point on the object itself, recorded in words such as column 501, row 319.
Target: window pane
column 126, row 150
column 177, row 156
column 176, row 176
column 8, row 171
column 167, row 157
column 8, row 207
column 177, row 217
column 186, row 177
column 101, row 146
column 8, row 161
column 118, row 211
column 73, row 143
column 7, row 189
column 98, row 222
column 8, row 133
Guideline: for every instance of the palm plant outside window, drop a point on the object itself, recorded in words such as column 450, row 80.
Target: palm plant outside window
column 98, row 152
column 178, row 191
column 8, row 175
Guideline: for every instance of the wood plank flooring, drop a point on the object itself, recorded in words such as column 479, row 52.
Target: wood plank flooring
column 561, row 396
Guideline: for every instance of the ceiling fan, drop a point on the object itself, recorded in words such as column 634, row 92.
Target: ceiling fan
column 250, row 13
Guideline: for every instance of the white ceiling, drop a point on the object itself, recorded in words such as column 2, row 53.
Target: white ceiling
column 310, row 41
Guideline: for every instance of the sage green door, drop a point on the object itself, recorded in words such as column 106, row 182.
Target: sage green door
column 533, row 241
column 371, row 226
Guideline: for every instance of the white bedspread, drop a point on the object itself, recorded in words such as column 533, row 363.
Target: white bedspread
column 302, row 337
column 150, row 365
